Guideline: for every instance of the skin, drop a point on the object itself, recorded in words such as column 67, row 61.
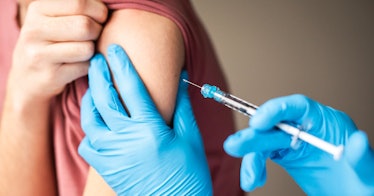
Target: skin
column 44, row 61
column 155, row 47
column 47, row 58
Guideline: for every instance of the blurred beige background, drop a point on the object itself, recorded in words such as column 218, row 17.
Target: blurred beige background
column 270, row 48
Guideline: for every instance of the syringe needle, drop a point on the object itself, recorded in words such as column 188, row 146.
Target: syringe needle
column 193, row 84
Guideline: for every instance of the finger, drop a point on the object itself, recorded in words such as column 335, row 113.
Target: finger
column 91, row 8
column 89, row 153
column 290, row 108
column 67, row 28
column 92, row 124
column 130, row 85
column 104, row 95
column 184, row 122
column 183, row 115
column 68, row 52
column 73, row 71
column 253, row 171
column 85, row 150
column 360, row 156
column 250, row 140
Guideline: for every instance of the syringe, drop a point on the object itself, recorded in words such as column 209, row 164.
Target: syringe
column 248, row 109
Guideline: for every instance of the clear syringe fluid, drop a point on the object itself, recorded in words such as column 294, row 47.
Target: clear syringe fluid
column 248, row 109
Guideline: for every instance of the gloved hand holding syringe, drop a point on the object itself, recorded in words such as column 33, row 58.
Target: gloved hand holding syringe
column 248, row 109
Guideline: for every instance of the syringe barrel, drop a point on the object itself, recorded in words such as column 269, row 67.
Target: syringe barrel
column 228, row 100
column 235, row 103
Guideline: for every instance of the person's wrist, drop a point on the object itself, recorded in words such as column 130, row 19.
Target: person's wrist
column 27, row 117
column 23, row 90
column 24, row 104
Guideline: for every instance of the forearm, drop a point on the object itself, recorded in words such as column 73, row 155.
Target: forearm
column 26, row 163
column 54, row 46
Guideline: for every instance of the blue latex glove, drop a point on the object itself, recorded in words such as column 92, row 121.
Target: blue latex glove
column 315, row 171
column 140, row 155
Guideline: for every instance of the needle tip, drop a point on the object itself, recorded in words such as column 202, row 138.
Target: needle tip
column 193, row 84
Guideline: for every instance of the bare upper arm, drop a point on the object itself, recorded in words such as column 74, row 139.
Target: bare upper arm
column 155, row 46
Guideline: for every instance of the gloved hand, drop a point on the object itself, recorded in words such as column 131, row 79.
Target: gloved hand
column 315, row 171
column 136, row 152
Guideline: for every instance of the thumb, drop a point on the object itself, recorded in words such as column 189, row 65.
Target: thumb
column 184, row 120
column 360, row 156
column 183, row 116
column 253, row 171
column 249, row 140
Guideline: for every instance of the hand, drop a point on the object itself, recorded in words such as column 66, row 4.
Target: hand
column 134, row 150
column 55, row 44
column 314, row 171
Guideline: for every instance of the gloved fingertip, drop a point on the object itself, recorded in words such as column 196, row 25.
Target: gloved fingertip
column 232, row 145
column 86, row 96
column 182, row 83
column 98, row 66
column 253, row 172
column 98, row 58
column 113, row 49
column 118, row 56
column 263, row 119
column 356, row 147
column 82, row 148
column 256, row 119
column 248, row 186
column 86, row 110
column 88, row 153
column 121, row 65
column 184, row 75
